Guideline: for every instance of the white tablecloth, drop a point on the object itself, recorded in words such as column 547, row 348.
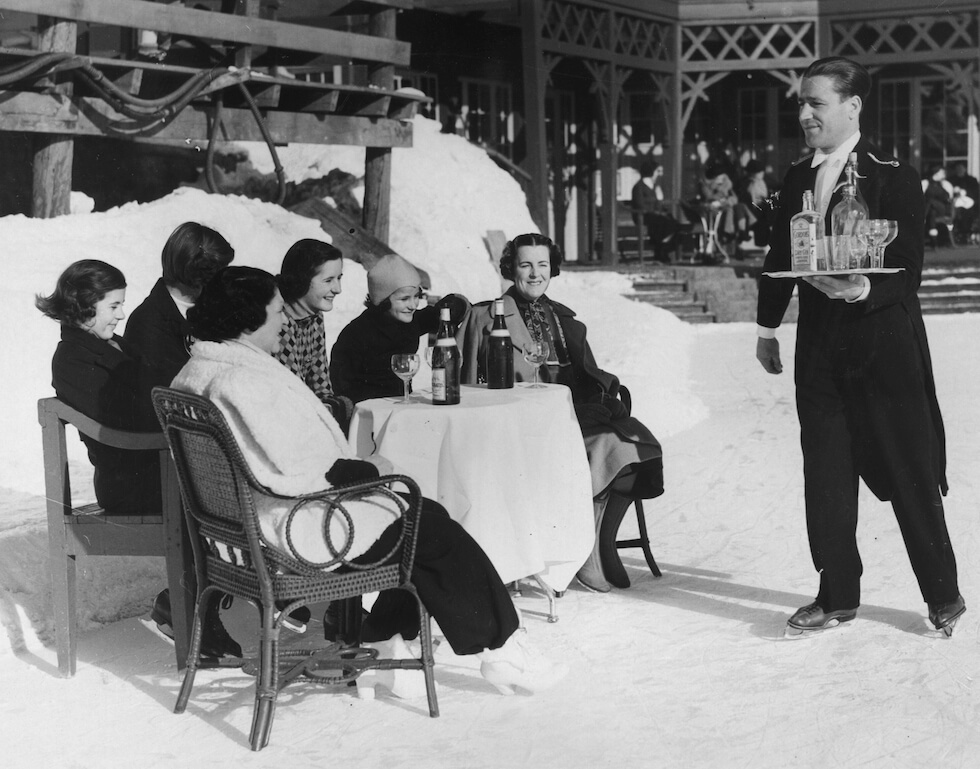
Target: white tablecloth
column 509, row 465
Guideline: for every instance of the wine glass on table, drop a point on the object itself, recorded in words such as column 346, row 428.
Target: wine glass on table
column 535, row 353
column 405, row 366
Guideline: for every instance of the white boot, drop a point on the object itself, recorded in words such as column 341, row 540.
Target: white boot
column 405, row 684
column 518, row 664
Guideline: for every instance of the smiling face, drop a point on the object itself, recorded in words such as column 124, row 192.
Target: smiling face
column 404, row 303
column 532, row 271
column 108, row 313
column 827, row 118
column 266, row 336
column 324, row 286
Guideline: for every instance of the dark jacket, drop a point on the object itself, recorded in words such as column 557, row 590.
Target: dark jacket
column 862, row 343
column 360, row 361
column 160, row 334
column 110, row 386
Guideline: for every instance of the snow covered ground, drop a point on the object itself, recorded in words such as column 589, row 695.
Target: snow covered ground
column 690, row 670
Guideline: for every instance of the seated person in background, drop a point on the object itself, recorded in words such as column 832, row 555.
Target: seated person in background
column 719, row 198
column 753, row 192
column 937, row 196
column 624, row 457
column 158, row 328
column 101, row 375
column 309, row 280
column 360, row 361
column 293, row 446
column 650, row 207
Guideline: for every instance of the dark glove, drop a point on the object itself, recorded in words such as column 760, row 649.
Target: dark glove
column 346, row 471
column 457, row 304
column 612, row 404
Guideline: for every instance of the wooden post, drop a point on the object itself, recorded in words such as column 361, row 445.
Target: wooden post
column 53, row 153
column 377, row 160
column 535, row 83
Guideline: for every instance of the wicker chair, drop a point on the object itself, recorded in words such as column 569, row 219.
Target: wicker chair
column 232, row 555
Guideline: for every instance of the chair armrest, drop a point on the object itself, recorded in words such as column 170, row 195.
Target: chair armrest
column 109, row 436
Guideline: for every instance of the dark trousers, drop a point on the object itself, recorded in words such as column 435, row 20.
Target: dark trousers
column 878, row 427
column 457, row 584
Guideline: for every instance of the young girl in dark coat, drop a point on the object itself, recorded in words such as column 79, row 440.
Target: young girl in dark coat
column 360, row 362
column 100, row 374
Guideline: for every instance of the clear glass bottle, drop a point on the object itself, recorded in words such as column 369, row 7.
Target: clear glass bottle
column 445, row 363
column 807, row 237
column 849, row 252
column 500, row 352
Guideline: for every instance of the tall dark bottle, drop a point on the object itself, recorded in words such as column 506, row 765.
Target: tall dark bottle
column 445, row 363
column 500, row 352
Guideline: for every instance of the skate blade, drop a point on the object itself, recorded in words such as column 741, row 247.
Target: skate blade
column 793, row 633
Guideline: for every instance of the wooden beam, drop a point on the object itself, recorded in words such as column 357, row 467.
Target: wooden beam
column 53, row 153
column 23, row 111
column 536, row 152
column 377, row 160
column 140, row 14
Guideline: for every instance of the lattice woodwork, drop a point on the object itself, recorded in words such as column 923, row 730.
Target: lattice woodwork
column 964, row 84
column 695, row 87
column 624, row 38
column 914, row 37
column 643, row 38
column 757, row 44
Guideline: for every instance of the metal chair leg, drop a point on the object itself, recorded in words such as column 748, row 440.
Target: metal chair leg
column 552, row 602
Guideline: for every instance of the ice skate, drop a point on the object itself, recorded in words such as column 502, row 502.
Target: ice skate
column 813, row 619
column 944, row 615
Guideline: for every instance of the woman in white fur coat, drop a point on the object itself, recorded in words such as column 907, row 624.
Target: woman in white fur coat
column 293, row 445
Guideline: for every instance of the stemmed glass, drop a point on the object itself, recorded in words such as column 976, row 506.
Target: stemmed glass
column 535, row 353
column 876, row 230
column 404, row 366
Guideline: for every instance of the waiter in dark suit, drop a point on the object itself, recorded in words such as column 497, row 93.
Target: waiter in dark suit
column 865, row 393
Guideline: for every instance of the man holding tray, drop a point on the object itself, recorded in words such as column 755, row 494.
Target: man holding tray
column 864, row 386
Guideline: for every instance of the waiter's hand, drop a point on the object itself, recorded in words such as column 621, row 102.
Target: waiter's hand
column 848, row 288
column 767, row 351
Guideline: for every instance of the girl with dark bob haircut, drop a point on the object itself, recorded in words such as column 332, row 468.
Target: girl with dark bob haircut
column 301, row 263
column 192, row 254
column 99, row 374
column 78, row 290
column 232, row 303
column 509, row 255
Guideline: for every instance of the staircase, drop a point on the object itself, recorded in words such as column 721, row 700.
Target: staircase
column 950, row 286
column 671, row 291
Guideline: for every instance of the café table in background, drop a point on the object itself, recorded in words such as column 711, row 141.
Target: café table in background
column 508, row 465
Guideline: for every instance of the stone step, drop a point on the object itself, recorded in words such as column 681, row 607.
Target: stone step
column 665, row 300
column 659, row 284
column 929, row 308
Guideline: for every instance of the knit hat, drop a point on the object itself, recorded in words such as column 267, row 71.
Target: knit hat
column 389, row 274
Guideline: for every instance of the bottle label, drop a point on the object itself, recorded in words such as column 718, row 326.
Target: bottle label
column 446, row 341
column 500, row 332
column 804, row 239
column 439, row 384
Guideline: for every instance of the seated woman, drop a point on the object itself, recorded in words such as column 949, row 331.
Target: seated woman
column 719, row 198
column 650, row 207
column 360, row 362
column 624, row 457
column 309, row 280
column 159, row 330
column 101, row 375
column 293, row 445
